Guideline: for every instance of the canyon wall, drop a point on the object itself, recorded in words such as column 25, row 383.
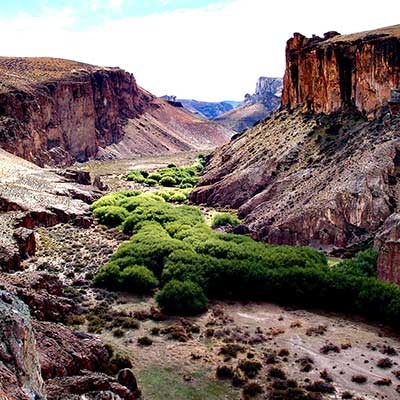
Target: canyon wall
column 324, row 170
column 56, row 112
column 62, row 119
column 327, row 74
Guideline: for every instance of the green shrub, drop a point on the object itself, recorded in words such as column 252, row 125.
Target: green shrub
column 171, row 176
column 155, row 176
column 173, row 244
column 136, row 176
column 167, row 181
column 138, row 279
column 150, row 182
column 223, row 219
column 177, row 198
column 114, row 199
column 363, row 264
column 109, row 276
column 111, row 216
column 182, row 298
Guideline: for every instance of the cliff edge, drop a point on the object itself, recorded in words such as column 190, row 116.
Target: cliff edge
column 324, row 170
column 57, row 112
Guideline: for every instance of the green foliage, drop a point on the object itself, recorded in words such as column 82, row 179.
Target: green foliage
column 135, row 176
column 138, row 279
column 182, row 298
column 363, row 264
column 150, row 182
column 190, row 259
column 111, row 216
column 167, row 181
column 175, row 196
column 109, row 276
column 134, row 279
column 223, row 219
column 171, row 176
column 114, row 199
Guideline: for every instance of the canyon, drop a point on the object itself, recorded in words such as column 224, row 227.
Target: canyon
column 323, row 170
column 56, row 112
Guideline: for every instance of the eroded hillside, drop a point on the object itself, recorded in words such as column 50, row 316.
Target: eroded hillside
column 56, row 112
column 325, row 180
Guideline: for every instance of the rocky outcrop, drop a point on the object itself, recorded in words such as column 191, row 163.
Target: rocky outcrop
column 255, row 107
column 268, row 90
column 66, row 111
column 94, row 386
column 20, row 376
column 56, row 112
column 41, row 359
column 31, row 196
column 325, row 180
column 63, row 352
column 336, row 71
column 388, row 243
column 41, row 292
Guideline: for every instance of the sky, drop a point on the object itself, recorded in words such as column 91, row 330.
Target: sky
column 208, row 50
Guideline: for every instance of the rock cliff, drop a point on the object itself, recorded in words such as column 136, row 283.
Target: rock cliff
column 325, row 180
column 20, row 376
column 56, row 112
column 41, row 359
column 327, row 74
column 255, row 107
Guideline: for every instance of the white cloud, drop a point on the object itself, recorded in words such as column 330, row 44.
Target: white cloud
column 212, row 53
column 115, row 4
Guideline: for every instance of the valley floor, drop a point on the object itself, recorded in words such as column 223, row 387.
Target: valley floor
column 184, row 354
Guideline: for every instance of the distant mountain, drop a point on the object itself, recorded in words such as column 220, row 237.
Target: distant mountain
column 208, row 109
column 255, row 107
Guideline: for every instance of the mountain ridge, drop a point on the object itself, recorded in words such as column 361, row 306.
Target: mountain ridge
column 57, row 112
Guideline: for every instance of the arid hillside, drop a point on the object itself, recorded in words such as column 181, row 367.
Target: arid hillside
column 56, row 112
column 326, row 180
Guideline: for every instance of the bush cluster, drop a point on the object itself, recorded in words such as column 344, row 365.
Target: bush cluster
column 190, row 260
column 130, row 209
column 224, row 219
column 171, row 176
column 182, row 298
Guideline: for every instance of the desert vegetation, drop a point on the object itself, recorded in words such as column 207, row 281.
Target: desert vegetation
column 171, row 176
column 172, row 248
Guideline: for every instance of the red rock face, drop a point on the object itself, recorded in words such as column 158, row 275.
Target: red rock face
column 55, row 112
column 325, row 75
column 388, row 243
column 63, row 121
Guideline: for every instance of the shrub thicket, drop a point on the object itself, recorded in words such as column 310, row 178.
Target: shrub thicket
column 171, row 176
column 129, row 209
column 182, row 298
column 111, row 216
column 223, row 219
column 175, row 244
column 134, row 278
